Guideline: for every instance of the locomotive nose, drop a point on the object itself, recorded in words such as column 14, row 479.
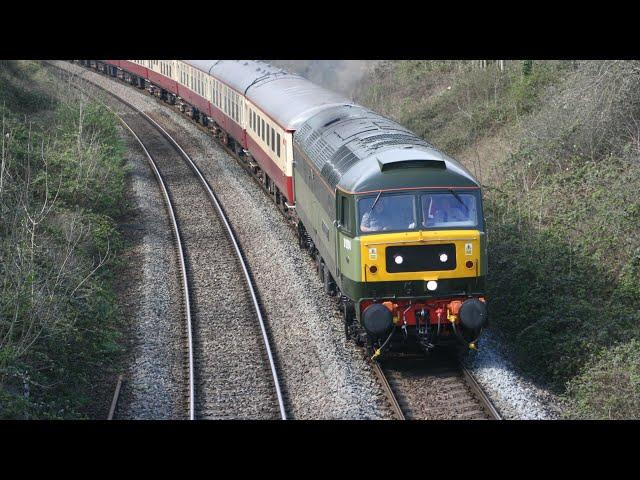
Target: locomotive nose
column 473, row 314
column 377, row 320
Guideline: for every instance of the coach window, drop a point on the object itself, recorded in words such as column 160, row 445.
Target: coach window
column 278, row 143
column 273, row 140
column 262, row 129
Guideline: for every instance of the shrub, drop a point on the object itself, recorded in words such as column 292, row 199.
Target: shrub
column 62, row 187
column 608, row 388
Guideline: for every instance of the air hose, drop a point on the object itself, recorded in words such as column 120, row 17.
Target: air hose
column 378, row 351
column 472, row 345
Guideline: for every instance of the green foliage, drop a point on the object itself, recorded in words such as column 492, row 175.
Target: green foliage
column 59, row 319
column 565, row 246
column 17, row 93
column 451, row 103
column 608, row 388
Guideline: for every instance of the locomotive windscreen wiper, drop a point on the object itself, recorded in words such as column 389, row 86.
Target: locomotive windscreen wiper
column 459, row 199
column 376, row 200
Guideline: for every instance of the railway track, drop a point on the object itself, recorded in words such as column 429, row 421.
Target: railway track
column 437, row 387
column 231, row 365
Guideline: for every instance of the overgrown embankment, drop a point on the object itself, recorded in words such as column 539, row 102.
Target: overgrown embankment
column 62, row 181
column 562, row 205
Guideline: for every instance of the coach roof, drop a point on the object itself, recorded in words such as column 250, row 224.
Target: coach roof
column 287, row 98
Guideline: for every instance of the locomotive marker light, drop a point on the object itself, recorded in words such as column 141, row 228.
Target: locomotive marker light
column 399, row 259
column 432, row 285
column 443, row 257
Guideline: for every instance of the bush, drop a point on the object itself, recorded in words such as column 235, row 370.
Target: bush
column 451, row 103
column 564, row 277
column 608, row 388
column 63, row 187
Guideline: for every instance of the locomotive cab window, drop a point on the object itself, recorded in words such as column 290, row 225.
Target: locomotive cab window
column 449, row 210
column 387, row 212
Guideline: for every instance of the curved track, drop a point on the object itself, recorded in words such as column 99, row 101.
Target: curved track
column 232, row 370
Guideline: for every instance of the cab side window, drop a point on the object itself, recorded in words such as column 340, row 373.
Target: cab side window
column 345, row 213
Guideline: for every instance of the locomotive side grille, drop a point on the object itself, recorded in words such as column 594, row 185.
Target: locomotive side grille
column 421, row 258
column 302, row 133
column 342, row 161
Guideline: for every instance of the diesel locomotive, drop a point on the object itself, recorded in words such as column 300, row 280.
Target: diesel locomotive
column 395, row 226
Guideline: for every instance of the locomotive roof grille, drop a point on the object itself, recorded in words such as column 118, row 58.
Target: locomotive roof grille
column 412, row 164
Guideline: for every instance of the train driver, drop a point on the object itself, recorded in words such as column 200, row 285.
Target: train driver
column 442, row 209
column 381, row 217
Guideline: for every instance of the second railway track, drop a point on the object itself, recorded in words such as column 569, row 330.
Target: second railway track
column 232, row 368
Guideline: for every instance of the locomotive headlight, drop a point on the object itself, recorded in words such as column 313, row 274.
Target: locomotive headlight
column 432, row 285
column 443, row 257
column 398, row 259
